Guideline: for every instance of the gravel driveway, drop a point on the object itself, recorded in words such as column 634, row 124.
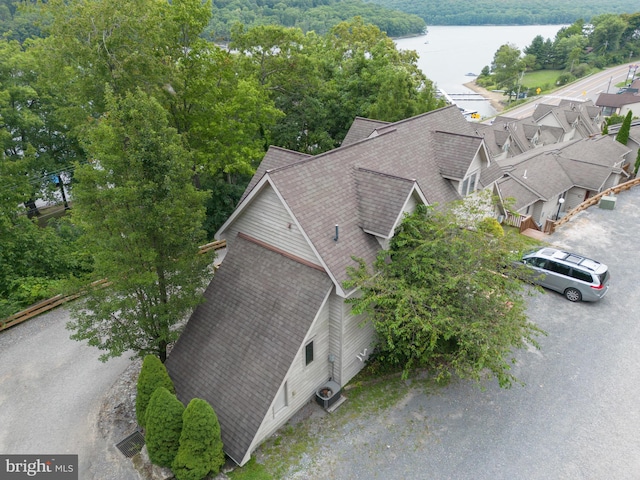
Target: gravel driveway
column 51, row 389
column 577, row 417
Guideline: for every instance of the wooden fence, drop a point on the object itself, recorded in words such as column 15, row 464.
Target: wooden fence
column 53, row 302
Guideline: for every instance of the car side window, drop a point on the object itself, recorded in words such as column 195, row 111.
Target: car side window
column 558, row 268
column 537, row 262
column 580, row 275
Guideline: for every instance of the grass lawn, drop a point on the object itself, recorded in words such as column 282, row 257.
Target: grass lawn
column 543, row 79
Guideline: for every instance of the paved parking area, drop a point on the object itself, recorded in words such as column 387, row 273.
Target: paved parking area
column 577, row 417
column 51, row 389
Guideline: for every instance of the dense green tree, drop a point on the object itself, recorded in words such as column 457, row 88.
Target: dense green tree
column 142, row 220
column 607, row 32
column 625, row 129
column 506, row 67
column 200, row 452
column 637, row 164
column 153, row 375
column 440, row 297
column 163, row 422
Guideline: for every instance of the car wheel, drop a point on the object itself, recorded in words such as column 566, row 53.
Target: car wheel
column 573, row 295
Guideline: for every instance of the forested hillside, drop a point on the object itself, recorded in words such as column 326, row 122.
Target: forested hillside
column 308, row 15
column 507, row 12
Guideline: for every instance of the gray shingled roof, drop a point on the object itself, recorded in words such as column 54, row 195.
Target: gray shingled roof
column 553, row 169
column 360, row 129
column 275, row 157
column 617, row 100
column 321, row 191
column 454, row 153
column 512, row 189
column 239, row 344
column 381, row 198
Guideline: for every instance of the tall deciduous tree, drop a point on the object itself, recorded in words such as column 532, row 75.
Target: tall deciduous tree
column 439, row 297
column 506, row 66
column 142, row 219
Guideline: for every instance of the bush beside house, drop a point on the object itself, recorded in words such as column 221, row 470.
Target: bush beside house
column 200, row 452
column 164, row 426
column 153, row 375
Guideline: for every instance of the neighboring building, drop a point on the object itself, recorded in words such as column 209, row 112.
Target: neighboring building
column 275, row 326
column 576, row 119
column 633, row 144
column 619, row 103
column 509, row 137
column 573, row 171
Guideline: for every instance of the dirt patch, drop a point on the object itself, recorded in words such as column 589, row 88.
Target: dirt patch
column 495, row 98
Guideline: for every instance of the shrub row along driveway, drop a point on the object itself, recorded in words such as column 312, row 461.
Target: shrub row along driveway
column 577, row 417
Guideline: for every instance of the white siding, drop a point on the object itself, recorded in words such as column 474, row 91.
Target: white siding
column 355, row 339
column 411, row 204
column 267, row 219
column 301, row 381
column 335, row 335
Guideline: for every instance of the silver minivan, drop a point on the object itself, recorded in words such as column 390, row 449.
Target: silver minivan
column 576, row 277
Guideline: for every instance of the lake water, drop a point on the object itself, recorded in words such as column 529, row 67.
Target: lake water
column 448, row 53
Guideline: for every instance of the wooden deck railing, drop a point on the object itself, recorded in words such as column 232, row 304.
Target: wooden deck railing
column 53, row 302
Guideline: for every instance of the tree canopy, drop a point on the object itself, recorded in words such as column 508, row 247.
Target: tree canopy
column 442, row 297
column 142, row 220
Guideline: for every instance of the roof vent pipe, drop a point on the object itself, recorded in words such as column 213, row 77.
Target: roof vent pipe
column 335, row 239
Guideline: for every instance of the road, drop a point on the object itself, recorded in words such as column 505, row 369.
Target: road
column 51, row 389
column 576, row 418
column 588, row 88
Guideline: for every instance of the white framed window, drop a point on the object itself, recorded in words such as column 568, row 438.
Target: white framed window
column 469, row 184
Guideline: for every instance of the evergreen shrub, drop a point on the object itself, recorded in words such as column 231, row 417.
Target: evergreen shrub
column 200, row 452
column 164, row 426
column 153, row 374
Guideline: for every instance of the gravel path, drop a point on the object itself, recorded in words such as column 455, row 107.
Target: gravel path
column 51, row 392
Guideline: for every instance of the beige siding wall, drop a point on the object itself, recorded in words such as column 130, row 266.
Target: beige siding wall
column 335, row 334
column 266, row 219
column 302, row 380
column 355, row 339
column 574, row 197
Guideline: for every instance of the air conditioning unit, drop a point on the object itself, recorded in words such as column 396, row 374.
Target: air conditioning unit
column 607, row 202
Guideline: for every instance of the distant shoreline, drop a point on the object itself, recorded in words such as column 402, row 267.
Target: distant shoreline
column 495, row 99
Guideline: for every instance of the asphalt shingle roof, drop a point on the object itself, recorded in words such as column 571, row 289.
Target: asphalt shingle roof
column 381, row 198
column 321, row 191
column 239, row 344
column 360, row 129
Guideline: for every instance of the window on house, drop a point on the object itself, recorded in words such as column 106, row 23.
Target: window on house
column 308, row 353
column 469, row 184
